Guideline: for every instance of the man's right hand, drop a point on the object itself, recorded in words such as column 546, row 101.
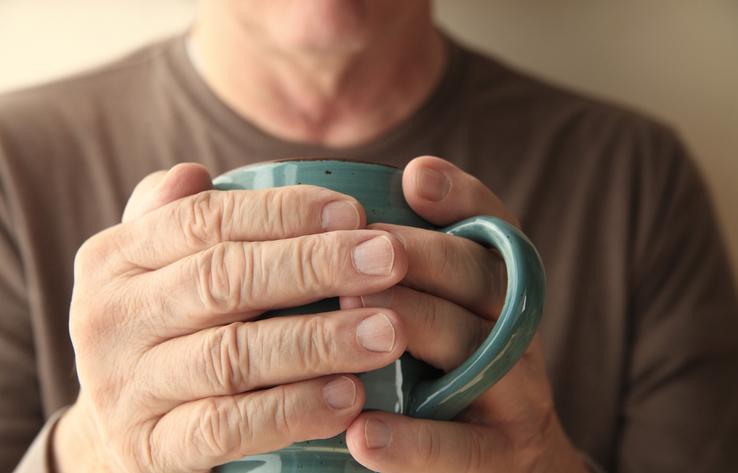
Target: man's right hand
column 175, row 372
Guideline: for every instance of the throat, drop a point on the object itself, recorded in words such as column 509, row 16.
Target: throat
column 331, row 102
column 336, row 121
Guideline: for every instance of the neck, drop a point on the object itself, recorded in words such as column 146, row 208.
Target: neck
column 331, row 99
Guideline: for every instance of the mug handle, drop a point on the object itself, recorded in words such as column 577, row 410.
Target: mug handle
column 447, row 396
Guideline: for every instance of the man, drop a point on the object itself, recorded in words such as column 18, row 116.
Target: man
column 635, row 367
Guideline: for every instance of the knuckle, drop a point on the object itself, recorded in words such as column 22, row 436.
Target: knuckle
column 83, row 330
column 276, row 203
column 308, row 269
column 221, row 274
column 135, row 450
column 285, row 208
column 202, row 216
column 213, row 435
column 446, row 249
column 430, row 314
column 429, row 446
column 153, row 454
column 94, row 318
column 83, row 257
column 282, row 414
column 79, row 315
column 91, row 254
column 316, row 257
column 316, row 343
column 278, row 415
column 258, row 277
column 94, row 301
column 229, row 357
column 147, row 453
column 475, row 453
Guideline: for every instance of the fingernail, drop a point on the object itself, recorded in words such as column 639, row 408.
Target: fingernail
column 431, row 184
column 376, row 333
column 339, row 215
column 340, row 393
column 374, row 257
column 377, row 434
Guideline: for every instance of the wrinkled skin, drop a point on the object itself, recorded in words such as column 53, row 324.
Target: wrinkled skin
column 177, row 374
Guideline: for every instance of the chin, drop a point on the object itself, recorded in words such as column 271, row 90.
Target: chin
column 325, row 26
column 329, row 26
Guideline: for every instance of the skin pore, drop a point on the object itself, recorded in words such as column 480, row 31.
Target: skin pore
column 336, row 73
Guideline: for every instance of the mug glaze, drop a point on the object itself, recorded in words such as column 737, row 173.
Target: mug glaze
column 407, row 386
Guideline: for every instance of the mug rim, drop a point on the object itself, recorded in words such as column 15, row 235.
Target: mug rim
column 321, row 158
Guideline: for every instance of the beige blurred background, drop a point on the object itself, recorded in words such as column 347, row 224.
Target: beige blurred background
column 675, row 59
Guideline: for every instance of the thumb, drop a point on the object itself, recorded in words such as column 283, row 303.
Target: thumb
column 162, row 187
column 393, row 443
column 442, row 193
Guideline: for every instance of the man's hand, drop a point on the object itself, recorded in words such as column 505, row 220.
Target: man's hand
column 448, row 302
column 173, row 375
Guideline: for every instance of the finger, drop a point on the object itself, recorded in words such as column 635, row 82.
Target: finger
column 246, row 356
column 455, row 332
column 203, row 434
column 523, row 396
column 392, row 443
column 198, row 222
column 236, row 281
column 452, row 268
column 162, row 187
column 443, row 194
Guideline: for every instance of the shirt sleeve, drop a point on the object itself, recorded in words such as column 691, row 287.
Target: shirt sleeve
column 21, row 415
column 39, row 457
column 679, row 412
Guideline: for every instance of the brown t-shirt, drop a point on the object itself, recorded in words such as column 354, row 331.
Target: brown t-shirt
column 641, row 322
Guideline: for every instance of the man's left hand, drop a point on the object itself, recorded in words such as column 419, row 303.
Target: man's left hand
column 448, row 302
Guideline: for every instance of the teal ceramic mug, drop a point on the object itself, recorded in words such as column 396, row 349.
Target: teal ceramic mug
column 408, row 386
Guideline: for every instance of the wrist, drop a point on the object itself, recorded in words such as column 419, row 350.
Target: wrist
column 73, row 444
